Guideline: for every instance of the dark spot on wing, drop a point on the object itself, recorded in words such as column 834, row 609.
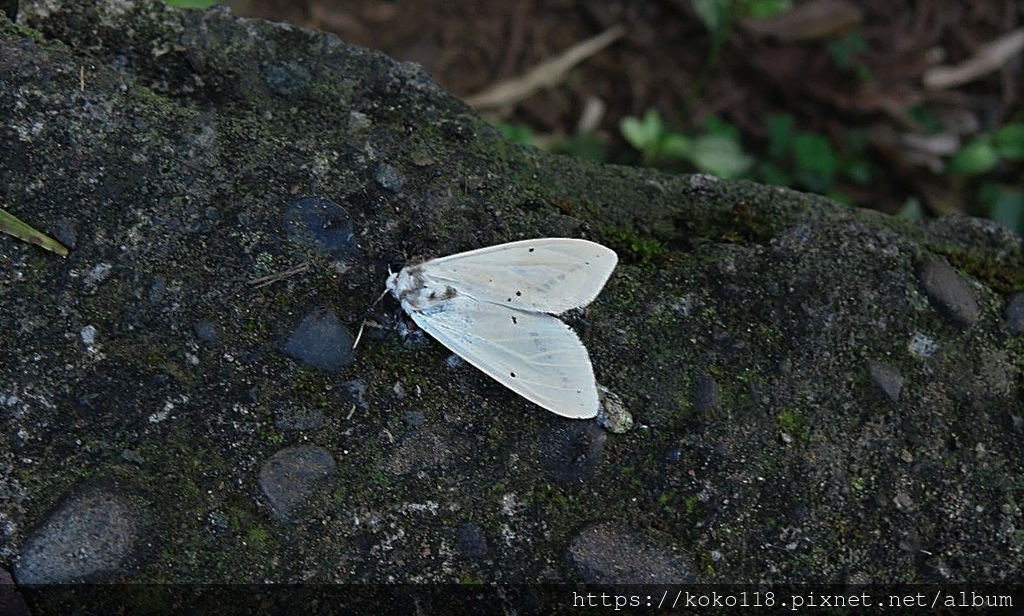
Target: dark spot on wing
column 449, row 292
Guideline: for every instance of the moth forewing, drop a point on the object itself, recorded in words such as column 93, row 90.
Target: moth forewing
column 544, row 275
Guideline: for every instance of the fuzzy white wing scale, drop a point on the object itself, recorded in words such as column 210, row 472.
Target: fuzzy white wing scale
column 492, row 307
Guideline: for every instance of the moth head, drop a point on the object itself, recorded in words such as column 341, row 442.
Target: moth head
column 392, row 282
column 404, row 282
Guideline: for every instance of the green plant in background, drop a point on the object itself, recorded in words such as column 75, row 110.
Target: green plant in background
column 794, row 158
column 911, row 209
column 989, row 149
column 1004, row 204
column 815, row 162
column 718, row 152
column 516, row 133
column 844, row 52
column 191, row 4
column 764, row 8
column 718, row 17
column 1000, row 202
column 809, row 161
column 652, row 138
column 10, row 225
column 581, row 145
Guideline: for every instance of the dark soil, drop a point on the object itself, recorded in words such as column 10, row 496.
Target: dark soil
column 875, row 94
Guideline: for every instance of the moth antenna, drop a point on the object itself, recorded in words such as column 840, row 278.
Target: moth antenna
column 362, row 325
column 359, row 336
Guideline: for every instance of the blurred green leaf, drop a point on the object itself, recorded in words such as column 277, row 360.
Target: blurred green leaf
column 975, row 158
column 1009, row 141
column 844, row 50
column 860, row 171
column 516, row 133
column 714, row 14
column 772, row 174
column 584, row 145
column 926, row 118
column 1006, row 205
column 715, row 125
column 780, row 135
column 719, row 152
column 642, row 134
column 720, row 155
column 765, row 8
column 816, row 161
column 191, row 4
column 676, row 146
column 911, row 209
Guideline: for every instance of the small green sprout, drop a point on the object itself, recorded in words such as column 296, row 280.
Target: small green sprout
column 717, row 152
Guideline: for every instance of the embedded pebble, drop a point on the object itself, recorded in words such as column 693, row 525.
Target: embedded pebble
column 995, row 373
column 11, row 601
column 922, row 345
column 608, row 553
column 287, row 78
column 419, row 451
column 703, row 180
column 414, row 419
column 320, row 224
column 290, row 476
column 470, row 541
column 298, row 418
column 96, row 276
column 206, row 331
column 354, row 392
column 949, row 290
column 66, row 233
column 1015, row 314
column 887, row 378
column 320, row 341
column 88, row 335
column 705, row 394
column 389, row 177
column 85, row 539
column 98, row 273
column 904, row 502
column 573, row 451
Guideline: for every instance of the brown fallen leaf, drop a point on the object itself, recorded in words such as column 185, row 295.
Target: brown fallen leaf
column 813, row 21
column 989, row 58
column 545, row 75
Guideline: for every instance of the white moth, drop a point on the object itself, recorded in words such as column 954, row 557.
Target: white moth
column 493, row 307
